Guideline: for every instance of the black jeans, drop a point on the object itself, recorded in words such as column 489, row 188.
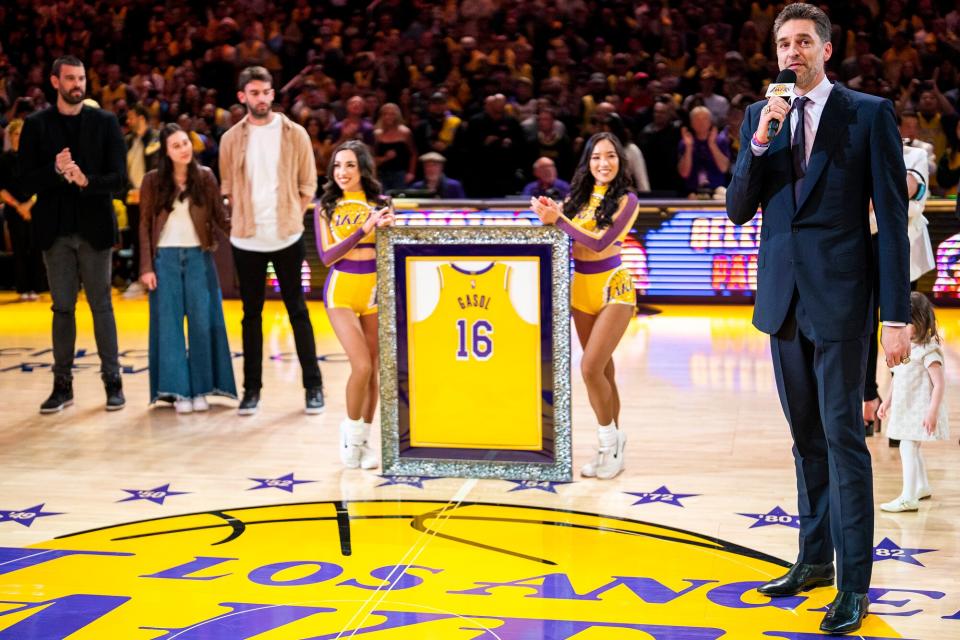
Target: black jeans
column 252, row 275
column 72, row 261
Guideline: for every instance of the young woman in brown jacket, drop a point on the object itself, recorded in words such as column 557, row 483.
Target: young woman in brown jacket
column 180, row 210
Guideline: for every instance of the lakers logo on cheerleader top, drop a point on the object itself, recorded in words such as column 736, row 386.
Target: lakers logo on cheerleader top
column 349, row 215
column 586, row 219
column 475, row 364
column 601, row 282
column 351, row 284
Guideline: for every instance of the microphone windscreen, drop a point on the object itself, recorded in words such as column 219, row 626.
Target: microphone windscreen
column 787, row 76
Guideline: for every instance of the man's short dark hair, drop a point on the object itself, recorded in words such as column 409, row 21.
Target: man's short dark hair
column 909, row 113
column 250, row 74
column 802, row 11
column 141, row 110
column 70, row 61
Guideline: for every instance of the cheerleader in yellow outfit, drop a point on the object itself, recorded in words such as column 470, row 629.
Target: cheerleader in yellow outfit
column 598, row 215
column 350, row 210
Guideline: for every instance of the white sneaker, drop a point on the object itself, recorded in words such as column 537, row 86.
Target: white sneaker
column 183, row 405
column 200, row 404
column 900, row 504
column 134, row 290
column 368, row 456
column 609, row 461
column 612, row 461
column 351, row 443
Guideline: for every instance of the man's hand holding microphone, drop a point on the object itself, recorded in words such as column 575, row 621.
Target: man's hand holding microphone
column 774, row 114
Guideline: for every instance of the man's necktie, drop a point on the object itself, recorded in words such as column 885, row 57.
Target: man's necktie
column 798, row 149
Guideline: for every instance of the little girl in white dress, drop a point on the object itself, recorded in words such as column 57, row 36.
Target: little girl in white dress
column 915, row 411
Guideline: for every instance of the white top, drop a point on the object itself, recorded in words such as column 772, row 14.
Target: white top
column 179, row 231
column 910, row 400
column 262, row 164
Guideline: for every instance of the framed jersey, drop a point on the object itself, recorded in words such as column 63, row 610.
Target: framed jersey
column 475, row 352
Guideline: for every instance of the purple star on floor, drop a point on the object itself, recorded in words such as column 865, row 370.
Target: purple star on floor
column 26, row 516
column 285, row 483
column 661, row 495
column 412, row 481
column 542, row 485
column 156, row 495
column 890, row 550
column 774, row 516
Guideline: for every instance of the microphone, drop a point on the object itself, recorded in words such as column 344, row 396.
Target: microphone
column 782, row 88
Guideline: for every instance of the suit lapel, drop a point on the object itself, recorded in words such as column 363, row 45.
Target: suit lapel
column 779, row 149
column 836, row 114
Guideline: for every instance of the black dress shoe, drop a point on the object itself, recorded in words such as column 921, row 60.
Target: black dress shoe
column 113, row 386
column 846, row 614
column 249, row 403
column 801, row 577
column 314, row 401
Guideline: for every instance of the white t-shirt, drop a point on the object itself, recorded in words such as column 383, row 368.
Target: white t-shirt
column 262, row 166
column 178, row 231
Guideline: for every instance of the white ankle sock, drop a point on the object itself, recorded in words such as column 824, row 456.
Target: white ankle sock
column 607, row 434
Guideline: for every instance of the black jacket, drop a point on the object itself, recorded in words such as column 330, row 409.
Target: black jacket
column 101, row 155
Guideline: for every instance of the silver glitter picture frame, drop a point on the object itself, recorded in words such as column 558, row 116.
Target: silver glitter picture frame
column 395, row 245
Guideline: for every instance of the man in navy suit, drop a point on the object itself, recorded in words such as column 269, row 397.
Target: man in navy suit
column 835, row 151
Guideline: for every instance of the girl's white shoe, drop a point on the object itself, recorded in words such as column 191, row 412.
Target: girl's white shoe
column 183, row 405
column 200, row 404
column 899, row 505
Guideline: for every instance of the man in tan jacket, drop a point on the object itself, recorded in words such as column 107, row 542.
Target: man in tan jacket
column 269, row 175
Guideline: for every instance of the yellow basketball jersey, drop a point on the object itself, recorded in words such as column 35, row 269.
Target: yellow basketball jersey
column 475, row 366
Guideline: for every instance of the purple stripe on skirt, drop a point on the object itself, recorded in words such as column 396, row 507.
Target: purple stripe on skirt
column 356, row 266
column 589, row 267
column 326, row 288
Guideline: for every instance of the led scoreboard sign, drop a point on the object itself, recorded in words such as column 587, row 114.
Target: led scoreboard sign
column 677, row 249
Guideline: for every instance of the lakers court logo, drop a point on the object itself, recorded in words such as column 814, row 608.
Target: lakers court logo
column 397, row 570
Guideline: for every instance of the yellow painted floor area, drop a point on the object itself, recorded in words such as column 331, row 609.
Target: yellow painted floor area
column 143, row 524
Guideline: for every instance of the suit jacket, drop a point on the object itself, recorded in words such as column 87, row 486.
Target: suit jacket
column 101, row 155
column 818, row 243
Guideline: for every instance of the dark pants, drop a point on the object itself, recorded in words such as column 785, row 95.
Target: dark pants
column 870, row 386
column 72, row 261
column 133, row 222
column 870, row 391
column 820, row 385
column 28, row 268
column 252, row 275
